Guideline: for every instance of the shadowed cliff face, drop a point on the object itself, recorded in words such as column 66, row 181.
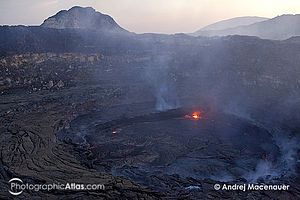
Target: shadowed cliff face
column 85, row 18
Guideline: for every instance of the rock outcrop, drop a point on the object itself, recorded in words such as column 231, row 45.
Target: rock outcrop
column 84, row 18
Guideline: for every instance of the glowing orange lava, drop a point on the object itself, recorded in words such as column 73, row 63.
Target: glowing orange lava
column 195, row 115
column 96, row 146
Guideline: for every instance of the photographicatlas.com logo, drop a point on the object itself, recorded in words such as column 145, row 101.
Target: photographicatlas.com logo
column 17, row 186
column 13, row 183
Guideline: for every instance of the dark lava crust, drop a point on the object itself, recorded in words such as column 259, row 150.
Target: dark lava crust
column 169, row 152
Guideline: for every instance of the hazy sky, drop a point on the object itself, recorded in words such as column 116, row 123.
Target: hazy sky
column 159, row 16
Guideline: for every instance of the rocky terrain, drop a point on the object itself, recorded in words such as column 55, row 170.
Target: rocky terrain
column 117, row 109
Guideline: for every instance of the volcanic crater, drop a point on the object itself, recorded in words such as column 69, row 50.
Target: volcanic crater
column 152, row 147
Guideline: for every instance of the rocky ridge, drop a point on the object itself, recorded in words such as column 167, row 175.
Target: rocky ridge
column 84, row 18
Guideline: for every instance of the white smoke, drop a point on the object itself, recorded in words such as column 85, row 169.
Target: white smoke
column 284, row 166
column 163, row 86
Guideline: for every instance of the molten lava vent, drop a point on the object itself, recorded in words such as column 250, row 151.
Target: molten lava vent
column 196, row 115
